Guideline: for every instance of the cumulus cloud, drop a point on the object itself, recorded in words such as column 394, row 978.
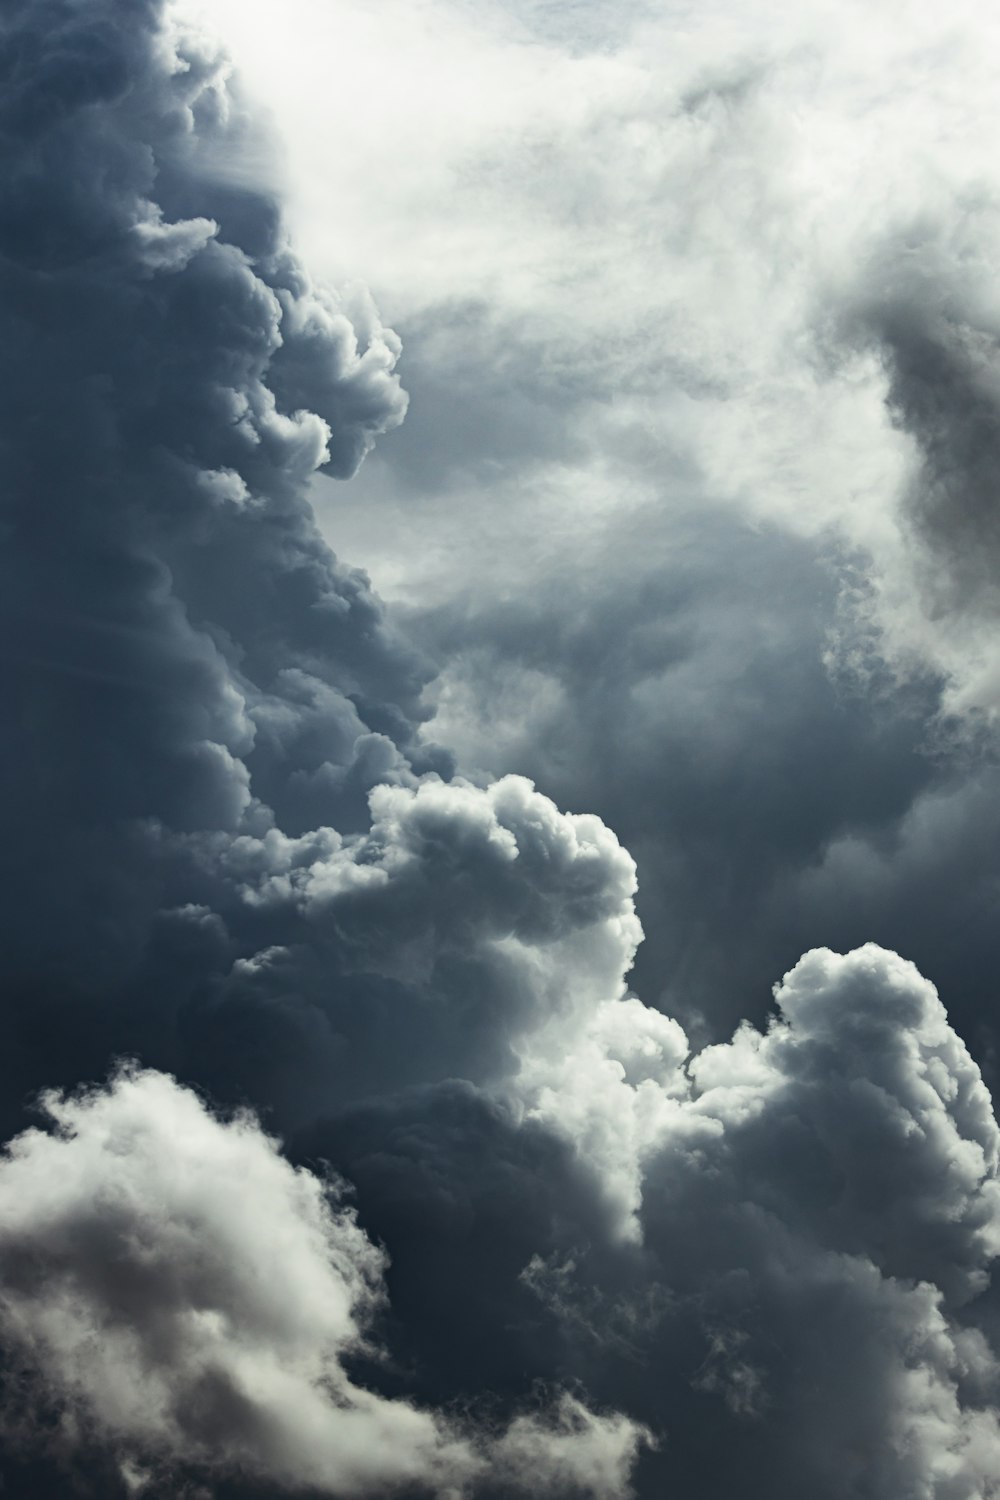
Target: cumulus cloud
column 183, row 1292
column 819, row 1197
column 194, row 1297
column 820, row 1206
column 462, row 929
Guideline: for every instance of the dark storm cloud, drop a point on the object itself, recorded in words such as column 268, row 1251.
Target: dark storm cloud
column 939, row 339
column 570, row 1253
column 469, row 1193
column 197, row 694
column 173, row 624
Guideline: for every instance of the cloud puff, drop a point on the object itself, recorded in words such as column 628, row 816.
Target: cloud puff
column 818, row 1204
column 183, row 1292
column 188, row 1292
column 864, row 1065
column 446, row 941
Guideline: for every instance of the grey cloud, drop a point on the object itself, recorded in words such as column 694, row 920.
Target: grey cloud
column 468, row 1192
column 164, row 584
column 938, row 335
column 174, row 617
column 433, row 946
column 865, row 1055
column 580, row 1258
column 820, row 1212
column 921, row 301
column 491, row 397
column 675, row 683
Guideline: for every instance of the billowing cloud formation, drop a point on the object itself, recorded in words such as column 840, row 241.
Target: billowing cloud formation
column 195, row 1296
column 582, row 1257
column 820, row 1209
column 792, row 226
column 229, row 692
column 819, row 1198
column 722, row 422
column 185, row 1293
column 170, row 609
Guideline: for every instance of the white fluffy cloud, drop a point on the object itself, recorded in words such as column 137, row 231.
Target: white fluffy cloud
column 194, row 1297
column 183, row 1293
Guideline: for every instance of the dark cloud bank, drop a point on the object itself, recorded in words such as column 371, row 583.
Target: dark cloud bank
column 517, row 1240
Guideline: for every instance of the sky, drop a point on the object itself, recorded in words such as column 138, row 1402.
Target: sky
column 501, row 679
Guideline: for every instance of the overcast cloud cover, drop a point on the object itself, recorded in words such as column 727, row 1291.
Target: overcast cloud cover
column 396, row 1097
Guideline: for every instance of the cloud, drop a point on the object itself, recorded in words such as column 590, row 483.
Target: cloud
column 439, row 944
column 584, row 1254
column 775, row 1253
column 819, row 1205
column 170, row 610
column 928, row 308
column 193, row 1297
column 791, row 236
column 190, row 1298
column 705, row 537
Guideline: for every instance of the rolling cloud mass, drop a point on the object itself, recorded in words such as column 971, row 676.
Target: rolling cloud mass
column 517, row 1016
